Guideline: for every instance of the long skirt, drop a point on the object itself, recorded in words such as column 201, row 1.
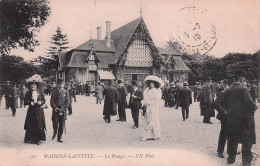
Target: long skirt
column 34, row 127
column 34, row 135
column 152, row 128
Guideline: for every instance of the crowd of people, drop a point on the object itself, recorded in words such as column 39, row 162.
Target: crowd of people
column 235, row 106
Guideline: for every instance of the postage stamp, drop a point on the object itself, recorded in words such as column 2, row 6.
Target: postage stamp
column 195, row 31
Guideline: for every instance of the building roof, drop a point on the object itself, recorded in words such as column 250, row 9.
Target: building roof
column 62, row 59
column 179, row 65
column 105, row 58
column 98, row 45
column 122, row 36
column 78, row 59
column 119, row 39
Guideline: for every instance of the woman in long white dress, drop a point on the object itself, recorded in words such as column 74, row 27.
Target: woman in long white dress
column 152, row 96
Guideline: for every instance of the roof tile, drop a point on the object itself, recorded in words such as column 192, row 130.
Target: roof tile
column 98, row 45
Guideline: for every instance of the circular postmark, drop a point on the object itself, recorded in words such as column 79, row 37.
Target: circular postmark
column 195, row 32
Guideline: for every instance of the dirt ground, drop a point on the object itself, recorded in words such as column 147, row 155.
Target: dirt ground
column 189, row 142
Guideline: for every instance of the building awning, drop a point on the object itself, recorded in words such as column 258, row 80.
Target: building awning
column 106, row 75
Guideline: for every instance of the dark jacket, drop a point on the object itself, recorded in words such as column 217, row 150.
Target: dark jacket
column 60, row 99
column 253, row 92
column 35, row 118
column 222, row 113
column 171, row 93
column 111, row 100
column 240, row 108
column 122, row 93
column 185, row 98
column 135, row 104
column 206, row 101
column 72, row 94
column 177, row 90
column 8, row 92
column 197, row 90
column 165, row 93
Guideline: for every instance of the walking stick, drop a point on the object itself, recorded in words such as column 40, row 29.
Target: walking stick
column 64, row 124
column 117, row 112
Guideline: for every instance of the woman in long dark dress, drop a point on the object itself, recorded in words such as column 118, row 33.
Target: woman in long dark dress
column 35, row 119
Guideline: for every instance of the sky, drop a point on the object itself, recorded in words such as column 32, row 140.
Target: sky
column 237, row 22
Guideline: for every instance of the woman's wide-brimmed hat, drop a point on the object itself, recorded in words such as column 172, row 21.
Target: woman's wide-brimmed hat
column 34, row 79
column 155, row 79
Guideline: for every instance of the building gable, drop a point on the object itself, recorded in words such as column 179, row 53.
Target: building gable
column 122, row 36
column 140, row 42
column 92, row 56
column 139, row 54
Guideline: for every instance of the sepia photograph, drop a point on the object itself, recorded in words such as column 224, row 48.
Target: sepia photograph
column 129, row 82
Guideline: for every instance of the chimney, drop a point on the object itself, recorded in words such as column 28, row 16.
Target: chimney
column 99, row 33
column 108, row 34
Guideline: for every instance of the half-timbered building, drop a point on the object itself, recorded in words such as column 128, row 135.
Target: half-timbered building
column 127, row 53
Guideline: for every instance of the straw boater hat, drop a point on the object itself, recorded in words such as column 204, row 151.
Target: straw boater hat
column 34, row 79
column 155, row 79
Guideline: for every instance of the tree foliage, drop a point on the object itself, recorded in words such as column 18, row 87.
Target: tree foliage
column 20, row 19
column 50, row 62
column 15, row 69
column 203, row 66
column 58, row 43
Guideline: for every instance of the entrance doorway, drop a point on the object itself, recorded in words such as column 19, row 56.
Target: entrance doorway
column 134, row 77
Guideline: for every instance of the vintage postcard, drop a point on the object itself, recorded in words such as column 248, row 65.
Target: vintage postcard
column 129, row 82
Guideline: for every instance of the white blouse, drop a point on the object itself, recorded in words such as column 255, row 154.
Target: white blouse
column 34, row 95
column 152, row 96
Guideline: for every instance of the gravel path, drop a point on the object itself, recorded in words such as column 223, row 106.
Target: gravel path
column 86, row 130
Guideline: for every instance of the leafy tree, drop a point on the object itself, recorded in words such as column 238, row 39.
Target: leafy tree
column 20, row 19
column 249, row 69
column 194, row 62
column 233, row 62
column 203, row 66
column 256, row 58
column 15, row 69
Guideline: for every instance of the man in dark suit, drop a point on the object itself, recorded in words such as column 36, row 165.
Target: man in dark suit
column 23, row 91
column 222, row 116
column 197, row 89
column 72, row 94
column 165, row 95
column 88, row 88
column 10, row 98
column 241, row 124
column 122, row 93
column 185, row 100
column 110, row 103
column 7, row 92
column 177, row 89
column 253, row 90
column 135, row 103
column 206, row 102
column 60, row 101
